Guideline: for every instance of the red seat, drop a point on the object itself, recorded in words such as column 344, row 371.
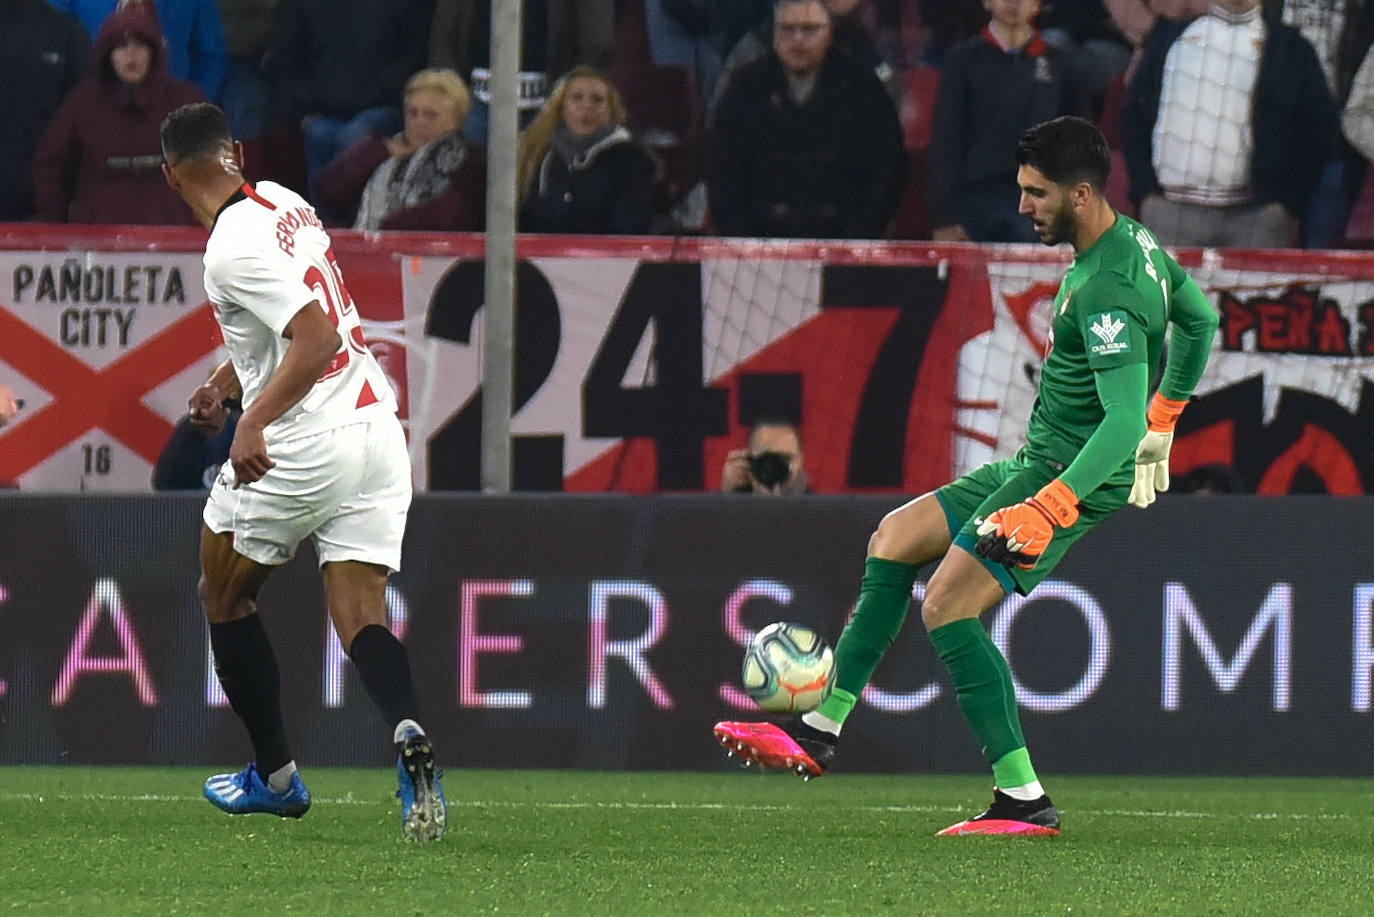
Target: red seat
column 1118, row 185
column 1110, row 118
column 921, row 84
column 909, row 222
column 1359, row 229
column 662, row 104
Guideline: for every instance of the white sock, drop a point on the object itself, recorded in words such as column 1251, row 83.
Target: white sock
column 823, row 723
column 403, row 727
column 279, row 781
column 1032, row 790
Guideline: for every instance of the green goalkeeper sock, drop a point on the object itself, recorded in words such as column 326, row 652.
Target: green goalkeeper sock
column 884, row 598
column 982, row 685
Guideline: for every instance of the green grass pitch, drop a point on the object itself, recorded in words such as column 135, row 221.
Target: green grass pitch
column 90, row 840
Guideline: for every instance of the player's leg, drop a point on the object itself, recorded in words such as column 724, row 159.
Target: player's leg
column 907, row 538
column 248, row 673
column 356, row 593
column 359, row 545
column 961, row 589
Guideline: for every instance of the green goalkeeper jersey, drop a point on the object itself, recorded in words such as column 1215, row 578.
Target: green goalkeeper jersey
column 1117, row 299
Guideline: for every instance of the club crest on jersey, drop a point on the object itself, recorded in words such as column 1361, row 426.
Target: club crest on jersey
column 1108, row 329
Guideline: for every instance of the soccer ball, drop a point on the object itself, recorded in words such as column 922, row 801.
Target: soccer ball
column 788, row 668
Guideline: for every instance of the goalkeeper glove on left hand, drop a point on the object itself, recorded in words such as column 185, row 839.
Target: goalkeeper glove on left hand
column 1152, row 455
column 1018, row 535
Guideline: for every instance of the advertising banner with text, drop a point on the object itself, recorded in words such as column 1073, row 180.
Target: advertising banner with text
column 607, row 632
column 639, row 363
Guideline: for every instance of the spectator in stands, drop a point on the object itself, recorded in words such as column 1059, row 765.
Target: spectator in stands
column 341, row 66
column 246, row 94
column 195, row 454
column 772, row 463
column 558, row 35
column 9, row 405
column 993, row 87
column 191, row 31
column 1357, row 118
column 945, row 23
column 1226, row 126
column 43, row 55
column 579, row 170
column 1086, row 31
column 1340, row 31
column 428, row 176
column 806, row 142
column 100, row 160
column 696, row 34
column 736, row 18
column 849, row 35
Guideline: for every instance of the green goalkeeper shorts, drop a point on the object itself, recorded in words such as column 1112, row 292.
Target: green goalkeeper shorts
column 970, row 499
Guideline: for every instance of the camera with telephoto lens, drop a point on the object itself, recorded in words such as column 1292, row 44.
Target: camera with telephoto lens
column 770, row 468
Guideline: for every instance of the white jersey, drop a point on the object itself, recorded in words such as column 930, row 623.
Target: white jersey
column 268, row 256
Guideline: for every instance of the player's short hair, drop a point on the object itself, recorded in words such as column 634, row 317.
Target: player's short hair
column 193, row 130
column 1066, row 150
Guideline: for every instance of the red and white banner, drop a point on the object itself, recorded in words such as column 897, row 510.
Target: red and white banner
column 103, row 348
column 639, row 362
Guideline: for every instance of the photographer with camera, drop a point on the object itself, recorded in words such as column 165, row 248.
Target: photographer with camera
column 771, row 464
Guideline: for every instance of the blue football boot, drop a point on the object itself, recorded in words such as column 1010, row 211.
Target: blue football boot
column 424, row 813
column 246, row 791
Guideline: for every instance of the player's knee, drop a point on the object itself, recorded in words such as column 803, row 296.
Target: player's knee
column 889, row 539
column 222, row 602
column 933, row 613
column 940, row 606
column 902, row 539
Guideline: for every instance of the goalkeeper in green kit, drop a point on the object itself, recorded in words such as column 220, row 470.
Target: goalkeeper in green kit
column 1095, row 441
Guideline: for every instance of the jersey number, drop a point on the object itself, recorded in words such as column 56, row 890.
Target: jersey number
column 336, row 302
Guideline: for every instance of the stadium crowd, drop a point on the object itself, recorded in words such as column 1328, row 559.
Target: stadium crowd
column 1234, row 122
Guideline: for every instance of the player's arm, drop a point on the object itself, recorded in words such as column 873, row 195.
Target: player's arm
column 314, row 341
column 1122, row 391
column 206, row 407
column 1194, row 325
column 1018, row 535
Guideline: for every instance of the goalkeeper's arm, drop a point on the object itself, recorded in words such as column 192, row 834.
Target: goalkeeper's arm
column 1017, row 535
column 1122, row 391
column 1194, row 324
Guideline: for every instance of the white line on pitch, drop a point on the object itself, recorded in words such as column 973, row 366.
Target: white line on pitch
column 688, row 806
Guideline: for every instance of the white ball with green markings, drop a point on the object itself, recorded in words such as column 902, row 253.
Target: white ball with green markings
column 788, row 668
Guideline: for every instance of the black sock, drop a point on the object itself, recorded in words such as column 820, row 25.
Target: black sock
column 384, row 668
column 247, row 670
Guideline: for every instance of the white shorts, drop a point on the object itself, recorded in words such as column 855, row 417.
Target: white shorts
column 348, row 488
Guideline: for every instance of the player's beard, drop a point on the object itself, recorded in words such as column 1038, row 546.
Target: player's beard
column 1062, row 227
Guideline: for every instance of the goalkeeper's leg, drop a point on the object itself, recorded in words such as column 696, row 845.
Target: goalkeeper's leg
column 908, row 537
column 961, row 589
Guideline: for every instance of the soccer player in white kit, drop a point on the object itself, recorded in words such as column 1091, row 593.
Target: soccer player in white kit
column 318, row 453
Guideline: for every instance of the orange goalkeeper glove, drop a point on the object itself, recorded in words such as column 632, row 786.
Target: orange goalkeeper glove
column 1018, row 535
column 1152, row 455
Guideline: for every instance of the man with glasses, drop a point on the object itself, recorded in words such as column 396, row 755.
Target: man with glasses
column 806, row 142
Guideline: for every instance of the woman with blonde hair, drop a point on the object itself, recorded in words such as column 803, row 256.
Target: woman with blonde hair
column 426, row 177
column 579, row 170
